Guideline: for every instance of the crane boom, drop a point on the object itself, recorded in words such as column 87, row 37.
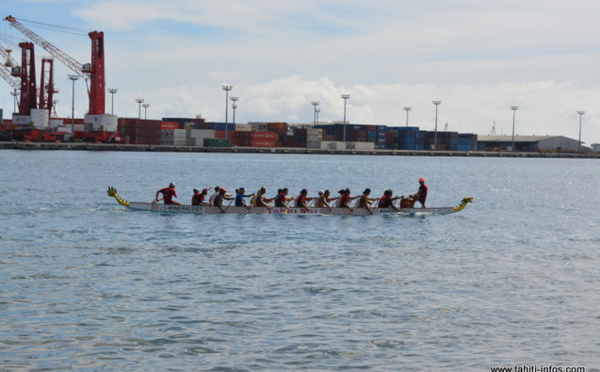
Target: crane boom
column 6, row 75
column 93, row 71
column 53, row 50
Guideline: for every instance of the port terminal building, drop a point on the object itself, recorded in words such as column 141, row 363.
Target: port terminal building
column 528, row 143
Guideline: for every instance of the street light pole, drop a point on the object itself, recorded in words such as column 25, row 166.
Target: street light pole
column 317, row 112
column 579, row 144
column 73, row 78
column 234, row 106
column 146, row 110
column 226, row 88
column 407, row 109
column 436, row 103
column 315, row 103
column 140, row 101
column 514, row 108
column 345, row 98
column 15, row 94
column 112, row 92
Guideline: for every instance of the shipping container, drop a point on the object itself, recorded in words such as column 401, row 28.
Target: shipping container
column 243, row 128
column 217, row 142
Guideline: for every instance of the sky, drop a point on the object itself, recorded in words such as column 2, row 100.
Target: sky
column 477, row 57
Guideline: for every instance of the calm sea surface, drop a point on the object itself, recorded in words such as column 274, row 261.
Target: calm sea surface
column 87, row 285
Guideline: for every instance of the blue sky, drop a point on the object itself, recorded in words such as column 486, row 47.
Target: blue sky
column 477, row 57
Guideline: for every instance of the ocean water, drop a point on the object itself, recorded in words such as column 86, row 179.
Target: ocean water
column 87, row 285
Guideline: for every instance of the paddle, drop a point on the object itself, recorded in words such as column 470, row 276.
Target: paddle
column 227, row 207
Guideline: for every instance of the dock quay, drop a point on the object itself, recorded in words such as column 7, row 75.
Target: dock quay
column 85, row 146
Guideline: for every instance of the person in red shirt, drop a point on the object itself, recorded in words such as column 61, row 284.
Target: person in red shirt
column 302, row 200
column 345, row 198
column 198, row 198
column 282, row 198
column 168, row 194
column 387, row 201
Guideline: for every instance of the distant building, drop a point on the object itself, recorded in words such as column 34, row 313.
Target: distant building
column 527, row 143
column 596, row 147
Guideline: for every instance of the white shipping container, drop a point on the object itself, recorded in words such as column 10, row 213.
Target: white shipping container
column 39, row 118
column 105, row 123
column 166, row 136
column 313, row 144
column 55, row 123
column 202, row 133
column 179, row 133
column 21, row 119
column 243, row 128
column 333, row 145
column 364, row 146
column 178, row 141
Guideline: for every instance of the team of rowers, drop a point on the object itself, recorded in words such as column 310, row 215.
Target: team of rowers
column 282, row 200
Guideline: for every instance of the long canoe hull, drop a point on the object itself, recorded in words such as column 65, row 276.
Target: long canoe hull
column 155, row 207
column 262, row 210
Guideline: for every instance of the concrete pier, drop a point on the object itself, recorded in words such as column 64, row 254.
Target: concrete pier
column 85, row 146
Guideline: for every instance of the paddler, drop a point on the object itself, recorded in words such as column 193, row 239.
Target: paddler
column 198, row 198
column 239, row 198
column 364, row 201
column 387, row 200
column 168, row 194
column 345, row 199
column 324, row 199
column 261, row 200
column 421, row 195
column 219, row 199
column 283, row 199
column 302, row 199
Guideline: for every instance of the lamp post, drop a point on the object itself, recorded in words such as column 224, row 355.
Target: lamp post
column 234, row 106
column 15, row 94
column 112, row 92
column 145, row 110
column 345, row 98
column 317, row 112
column 226, row 88
column 514, row 108
column 579, row 144
column 140, row 101
column 315, row 103
column 436, row 103
column 73, row 78
column 407, row 109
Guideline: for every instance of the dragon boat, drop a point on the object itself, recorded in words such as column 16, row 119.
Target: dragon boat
column 198, row 209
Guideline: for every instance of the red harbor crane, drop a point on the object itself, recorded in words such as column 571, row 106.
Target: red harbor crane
column 94, row 71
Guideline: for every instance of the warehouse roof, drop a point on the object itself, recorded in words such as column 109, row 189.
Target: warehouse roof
column 517, row 138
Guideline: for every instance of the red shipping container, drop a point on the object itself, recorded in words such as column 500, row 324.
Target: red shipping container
column 264, row 135
column 231, row 134
column 262, row 143
column 169, row 125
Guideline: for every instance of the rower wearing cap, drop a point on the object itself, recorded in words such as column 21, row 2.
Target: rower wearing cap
column 421, row 195
column 239, row 197
column 168, row 194
column 198, row 198
column 219, row 199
